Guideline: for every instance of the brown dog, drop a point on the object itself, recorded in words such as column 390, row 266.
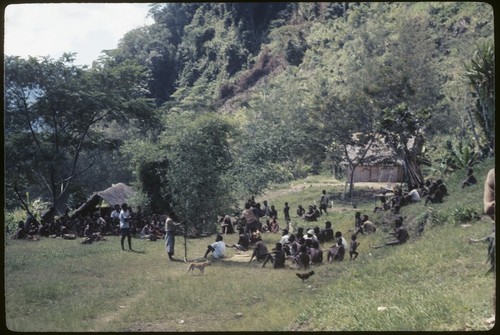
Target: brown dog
column 198, row 265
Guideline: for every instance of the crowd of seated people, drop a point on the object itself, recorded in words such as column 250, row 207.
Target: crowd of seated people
column 433, row 191
column 91, row 227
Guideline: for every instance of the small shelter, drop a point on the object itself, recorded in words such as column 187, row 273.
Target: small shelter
column 379, row 165
column 117, row 194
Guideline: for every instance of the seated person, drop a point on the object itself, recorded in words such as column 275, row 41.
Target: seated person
column 316, row 211
column 275, row 228
column 243, row 241
column 338, row 236
column 218, row 248
column 303, row 259
column 260, row 250
column 300, row 233
column 20, row 231
column 146, row 231
column 291, row 248
column 226, row 225
column 470, row 179
column 310, row 215
column 255, row 237
column 413, row 196
column 400, row 233
column 315, row 252
column 300, row 211
column 284, row 237
column 328, row 232
column 368, row 226
column 266, row 226
column 435, row 194
column 336, row 251
column 442, row 187
column 277, row 257
column 398, row 199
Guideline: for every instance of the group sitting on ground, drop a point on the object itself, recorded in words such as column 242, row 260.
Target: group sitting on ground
column 433, row 191
column 91, row 227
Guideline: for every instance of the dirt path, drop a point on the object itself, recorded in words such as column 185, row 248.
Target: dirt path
column 123, row 306
column 294, row 188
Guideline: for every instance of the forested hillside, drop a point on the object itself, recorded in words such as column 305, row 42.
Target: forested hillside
column 215, row 101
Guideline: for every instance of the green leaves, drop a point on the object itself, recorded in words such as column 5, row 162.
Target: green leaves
column 198, row 174
column 481, row 75
column 62, row 109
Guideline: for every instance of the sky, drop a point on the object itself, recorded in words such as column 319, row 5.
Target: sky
column 85, row 28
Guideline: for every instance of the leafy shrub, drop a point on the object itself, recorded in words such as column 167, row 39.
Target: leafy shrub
column 11, row 220
column 460, row 215
column 438, row 218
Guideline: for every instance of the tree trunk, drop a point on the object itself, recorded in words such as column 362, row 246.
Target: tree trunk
column 413, row 172
column 351, row 181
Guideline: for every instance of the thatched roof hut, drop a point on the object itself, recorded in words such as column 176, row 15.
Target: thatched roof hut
column 117, row 194
column 379, row 164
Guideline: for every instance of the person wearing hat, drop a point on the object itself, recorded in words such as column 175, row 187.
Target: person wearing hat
column 311, row 235
column 218, row 248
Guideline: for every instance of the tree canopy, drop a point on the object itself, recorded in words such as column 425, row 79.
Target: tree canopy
column 215, row 101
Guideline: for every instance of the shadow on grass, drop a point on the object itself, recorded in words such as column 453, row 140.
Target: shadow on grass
column 136, row 251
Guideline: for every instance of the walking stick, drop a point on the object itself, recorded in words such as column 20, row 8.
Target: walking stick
column 185, row 241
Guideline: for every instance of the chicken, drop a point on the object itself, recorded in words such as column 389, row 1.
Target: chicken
column 305, row 276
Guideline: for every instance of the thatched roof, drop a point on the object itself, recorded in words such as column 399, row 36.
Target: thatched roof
column 378, row 154
column 117, row 194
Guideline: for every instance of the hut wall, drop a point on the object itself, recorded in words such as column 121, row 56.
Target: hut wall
column 377, row 174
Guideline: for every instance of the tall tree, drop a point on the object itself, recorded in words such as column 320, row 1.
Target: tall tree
column 404, row 132
column 54, row 108
column 199, row 161
column 400, row 84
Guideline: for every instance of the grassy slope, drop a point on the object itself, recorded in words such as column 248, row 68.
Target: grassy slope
column 436, row 282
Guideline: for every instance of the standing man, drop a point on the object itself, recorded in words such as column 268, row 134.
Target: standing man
column 170, row 226
column 286, row 211
column 323, row 203
column 125, row 226
column 251, row 220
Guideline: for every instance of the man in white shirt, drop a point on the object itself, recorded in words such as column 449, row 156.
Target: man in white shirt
column 218, row 248
column 414, row 195
column 125, row 226
column 284, row 237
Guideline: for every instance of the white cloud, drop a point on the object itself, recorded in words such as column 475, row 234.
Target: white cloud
column 85, row 28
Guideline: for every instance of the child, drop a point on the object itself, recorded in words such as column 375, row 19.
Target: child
column 358, row 223
column 352, row 249
column 286, row 211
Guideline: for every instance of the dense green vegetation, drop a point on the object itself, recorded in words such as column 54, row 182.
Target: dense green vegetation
column 434, row 282
column 215, row 101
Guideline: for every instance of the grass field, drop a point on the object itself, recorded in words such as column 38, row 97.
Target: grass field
column 436, row 282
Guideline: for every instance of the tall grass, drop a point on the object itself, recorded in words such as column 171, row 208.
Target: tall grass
column 435, row 282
